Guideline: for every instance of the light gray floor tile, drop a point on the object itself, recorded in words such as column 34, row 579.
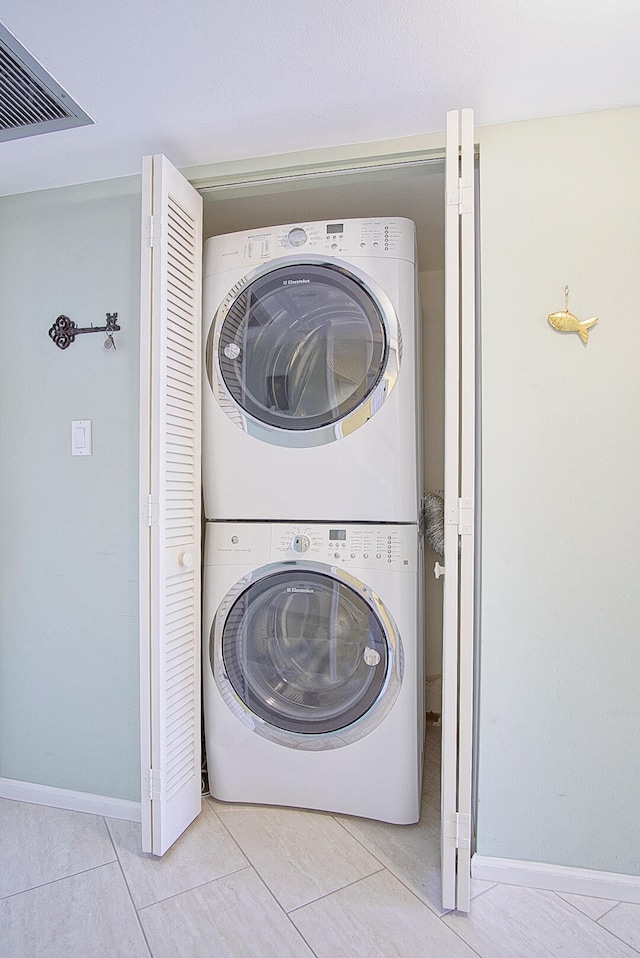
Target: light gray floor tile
column 301, row 855
column 86, row 916
column 479, row 886
column 410, row 852
column 432, row 749
column 624, row 922
column 204, row 852
column 39, row 844
column 592, row 907
column 376, row 918
column 233, row 917
column 512, row 922
column 431, row 778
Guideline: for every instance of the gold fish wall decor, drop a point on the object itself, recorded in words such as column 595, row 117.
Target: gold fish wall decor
column 566, row 322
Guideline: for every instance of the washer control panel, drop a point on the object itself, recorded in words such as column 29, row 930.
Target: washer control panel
column 348, row 545
column 362, row 546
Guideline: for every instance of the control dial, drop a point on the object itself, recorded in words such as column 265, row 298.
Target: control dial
column 297, row 236
column 300, row 543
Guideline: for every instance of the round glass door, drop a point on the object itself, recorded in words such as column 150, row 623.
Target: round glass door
column 302, row 346
column 306, row 652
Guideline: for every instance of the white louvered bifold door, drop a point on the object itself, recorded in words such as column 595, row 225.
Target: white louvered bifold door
column 459, row 495
column 170, row 504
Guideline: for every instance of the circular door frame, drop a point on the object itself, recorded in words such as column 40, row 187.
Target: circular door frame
column 310, row 741
column 366, row 408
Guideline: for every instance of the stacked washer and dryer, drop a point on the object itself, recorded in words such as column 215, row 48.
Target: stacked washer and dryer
column 312, row 625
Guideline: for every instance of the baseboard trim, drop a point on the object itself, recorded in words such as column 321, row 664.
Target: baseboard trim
column 73, row 801
column 573, row 881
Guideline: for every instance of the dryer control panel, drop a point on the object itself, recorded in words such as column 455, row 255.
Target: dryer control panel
column 390, row 237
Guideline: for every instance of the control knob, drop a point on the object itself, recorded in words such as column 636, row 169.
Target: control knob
column 300, row 543
column 297, row 236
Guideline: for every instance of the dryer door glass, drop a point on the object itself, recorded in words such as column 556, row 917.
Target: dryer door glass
column 302, row 346
column 305, row 652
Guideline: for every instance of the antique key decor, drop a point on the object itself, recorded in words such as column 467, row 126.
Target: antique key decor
column 64, row 331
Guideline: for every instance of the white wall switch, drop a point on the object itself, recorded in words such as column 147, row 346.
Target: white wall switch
column 81, row 437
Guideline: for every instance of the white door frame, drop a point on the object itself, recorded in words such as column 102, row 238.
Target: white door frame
column 459, row 505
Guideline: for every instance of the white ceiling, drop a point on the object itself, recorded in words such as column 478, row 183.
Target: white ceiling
column 212, row 80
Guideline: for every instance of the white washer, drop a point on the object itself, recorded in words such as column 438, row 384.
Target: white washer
column 311, row 391
column 313, row 667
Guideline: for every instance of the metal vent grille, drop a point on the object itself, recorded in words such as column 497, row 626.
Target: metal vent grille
column 31, row 101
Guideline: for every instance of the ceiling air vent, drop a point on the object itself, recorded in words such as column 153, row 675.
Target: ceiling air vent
column 31, row 101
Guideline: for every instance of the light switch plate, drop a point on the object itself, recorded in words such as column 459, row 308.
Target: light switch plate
column 81, row 437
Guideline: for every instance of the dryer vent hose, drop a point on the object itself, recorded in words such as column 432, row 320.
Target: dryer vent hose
column 433, row 513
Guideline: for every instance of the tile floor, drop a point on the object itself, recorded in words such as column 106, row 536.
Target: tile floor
column 275, row 883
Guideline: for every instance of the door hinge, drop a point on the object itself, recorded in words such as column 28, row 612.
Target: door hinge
column 150, row 511
column 463, row 830
column 457, row 829
column 461, row 515
column 461, row 196
column 149, row 232
column 151, row 785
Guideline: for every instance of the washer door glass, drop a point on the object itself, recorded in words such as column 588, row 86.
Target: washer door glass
column 305, row 652
column 302, row 346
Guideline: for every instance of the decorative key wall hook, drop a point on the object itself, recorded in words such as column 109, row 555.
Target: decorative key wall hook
column 64, row 331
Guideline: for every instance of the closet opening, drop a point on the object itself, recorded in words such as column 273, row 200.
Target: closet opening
column 411, row 186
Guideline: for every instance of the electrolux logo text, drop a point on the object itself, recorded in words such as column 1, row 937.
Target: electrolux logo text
column 292, row 588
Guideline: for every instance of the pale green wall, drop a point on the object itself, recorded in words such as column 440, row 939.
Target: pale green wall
column 559, row 732
column 68, row 563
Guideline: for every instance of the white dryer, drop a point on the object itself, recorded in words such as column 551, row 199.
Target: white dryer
column 313, row 667
column 311, row 390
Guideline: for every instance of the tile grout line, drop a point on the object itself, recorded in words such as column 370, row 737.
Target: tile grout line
column 140, row 908
column 613, row 934
column 614, row 905
column 320, row 897
column 55, row 881
column 254, row 869
column 126, row 885
column 481, row 893
column 384, row 867
column 411, row 892
column 312, row 811
column 335, row 891
column 260, row 878
column 596, row 921
column 286, row 914
column 202, row 884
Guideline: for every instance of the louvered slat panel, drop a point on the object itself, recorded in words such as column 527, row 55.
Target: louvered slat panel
column 179, row 519
column 175, row 291
column 180, row 679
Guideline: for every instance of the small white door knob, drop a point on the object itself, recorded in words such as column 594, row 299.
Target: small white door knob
column 185, row 559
